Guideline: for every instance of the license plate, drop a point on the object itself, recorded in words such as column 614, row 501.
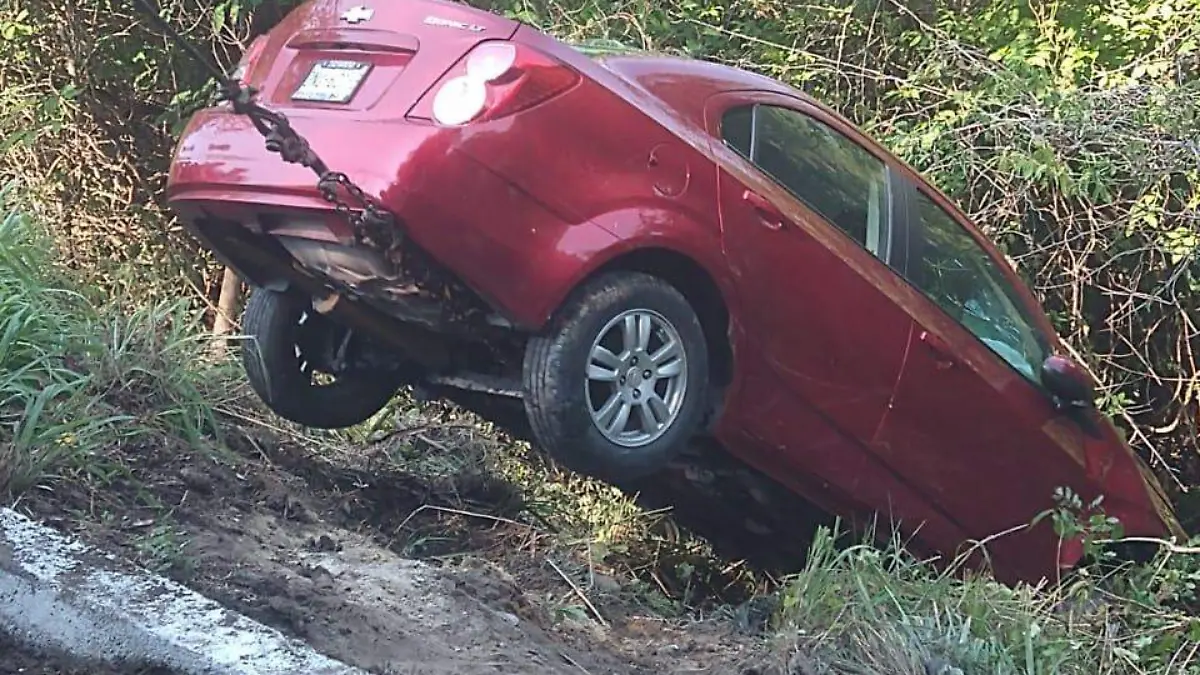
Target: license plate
column 332, row 81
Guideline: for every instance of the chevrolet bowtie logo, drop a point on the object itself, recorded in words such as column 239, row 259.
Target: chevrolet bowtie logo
column 358, row 14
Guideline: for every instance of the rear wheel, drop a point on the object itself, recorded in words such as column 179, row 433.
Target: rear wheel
column 292, row 356
column 618, row 385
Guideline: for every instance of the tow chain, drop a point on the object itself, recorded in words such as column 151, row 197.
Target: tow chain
column 372, row 224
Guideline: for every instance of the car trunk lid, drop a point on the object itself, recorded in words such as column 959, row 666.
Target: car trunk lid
column 375, row 58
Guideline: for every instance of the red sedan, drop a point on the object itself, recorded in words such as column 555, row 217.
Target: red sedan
column 641, row 249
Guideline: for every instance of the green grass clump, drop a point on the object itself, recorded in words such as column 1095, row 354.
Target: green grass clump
column 79, row 377
column 871, row 609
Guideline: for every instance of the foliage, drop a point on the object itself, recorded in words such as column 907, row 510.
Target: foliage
column 90, row 95
column 78, row 381
column 863, row 609
column 1066, row 129
column 82, row 384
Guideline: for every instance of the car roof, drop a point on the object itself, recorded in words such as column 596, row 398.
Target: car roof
column 683, row 84
column 650, row 67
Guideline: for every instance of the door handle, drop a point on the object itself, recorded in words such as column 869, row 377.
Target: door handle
column 772, row 217
column 945, row 356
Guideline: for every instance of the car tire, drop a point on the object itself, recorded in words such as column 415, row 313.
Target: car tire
column 271, row 324
column 568, row 397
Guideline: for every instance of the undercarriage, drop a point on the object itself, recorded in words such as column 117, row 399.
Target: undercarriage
column 464, row 353
column 419, row 322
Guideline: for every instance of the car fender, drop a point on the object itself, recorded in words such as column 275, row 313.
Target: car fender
column 648, row 229
column 667, row 231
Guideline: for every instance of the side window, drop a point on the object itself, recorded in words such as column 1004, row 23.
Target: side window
column 950, row 267
column 736, row 126
column 830, row 173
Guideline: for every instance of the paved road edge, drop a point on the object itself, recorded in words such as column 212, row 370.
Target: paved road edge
column 58, row 593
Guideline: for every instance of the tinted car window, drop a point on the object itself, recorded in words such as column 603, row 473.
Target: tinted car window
column 830, row 173
column 735, row 128
column 957, row 273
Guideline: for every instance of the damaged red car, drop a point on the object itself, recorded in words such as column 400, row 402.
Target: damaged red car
column 638, row 250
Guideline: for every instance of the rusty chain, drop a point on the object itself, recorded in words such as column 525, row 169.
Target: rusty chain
column 371, row 223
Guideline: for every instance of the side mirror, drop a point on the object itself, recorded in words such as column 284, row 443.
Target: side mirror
column 1068, row 382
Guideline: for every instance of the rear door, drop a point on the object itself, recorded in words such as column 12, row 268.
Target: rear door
column 808, row 217
column 970, row 423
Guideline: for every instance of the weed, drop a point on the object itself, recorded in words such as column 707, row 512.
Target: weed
column 162, row 549
column 83, row 385
column 79, row 378
column 872, row 609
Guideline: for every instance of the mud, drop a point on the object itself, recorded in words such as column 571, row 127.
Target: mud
column 16, row 658
column 319, row 549
column 759, row 520
column 363, row 604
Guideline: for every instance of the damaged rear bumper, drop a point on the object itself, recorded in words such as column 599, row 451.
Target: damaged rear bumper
column 514, row 256
column 416, row 324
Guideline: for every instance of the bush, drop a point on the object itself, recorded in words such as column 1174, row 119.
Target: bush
column 1066, row 130
column 91, row 94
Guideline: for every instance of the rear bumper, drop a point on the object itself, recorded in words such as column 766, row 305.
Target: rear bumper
column 495, row 238
column 264, row 262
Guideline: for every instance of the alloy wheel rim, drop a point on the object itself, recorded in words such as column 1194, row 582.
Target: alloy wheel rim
column 636, row 378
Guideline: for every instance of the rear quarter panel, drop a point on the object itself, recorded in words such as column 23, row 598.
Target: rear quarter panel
column 606, row 155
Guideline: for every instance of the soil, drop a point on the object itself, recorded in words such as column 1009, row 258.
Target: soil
column 760, row 521
column 320, row 548
column 15, row 658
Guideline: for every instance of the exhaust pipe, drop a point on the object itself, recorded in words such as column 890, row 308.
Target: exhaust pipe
column 426, row 348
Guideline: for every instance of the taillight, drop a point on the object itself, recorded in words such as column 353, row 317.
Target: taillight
column 493, row 80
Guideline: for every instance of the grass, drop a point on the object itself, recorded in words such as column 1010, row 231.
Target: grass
column 84, row 383
column 87, row 382
column 81, row 378
column 862, row 609
column 877, row 610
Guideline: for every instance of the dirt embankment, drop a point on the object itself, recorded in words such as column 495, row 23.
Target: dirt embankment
column 317, row 548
